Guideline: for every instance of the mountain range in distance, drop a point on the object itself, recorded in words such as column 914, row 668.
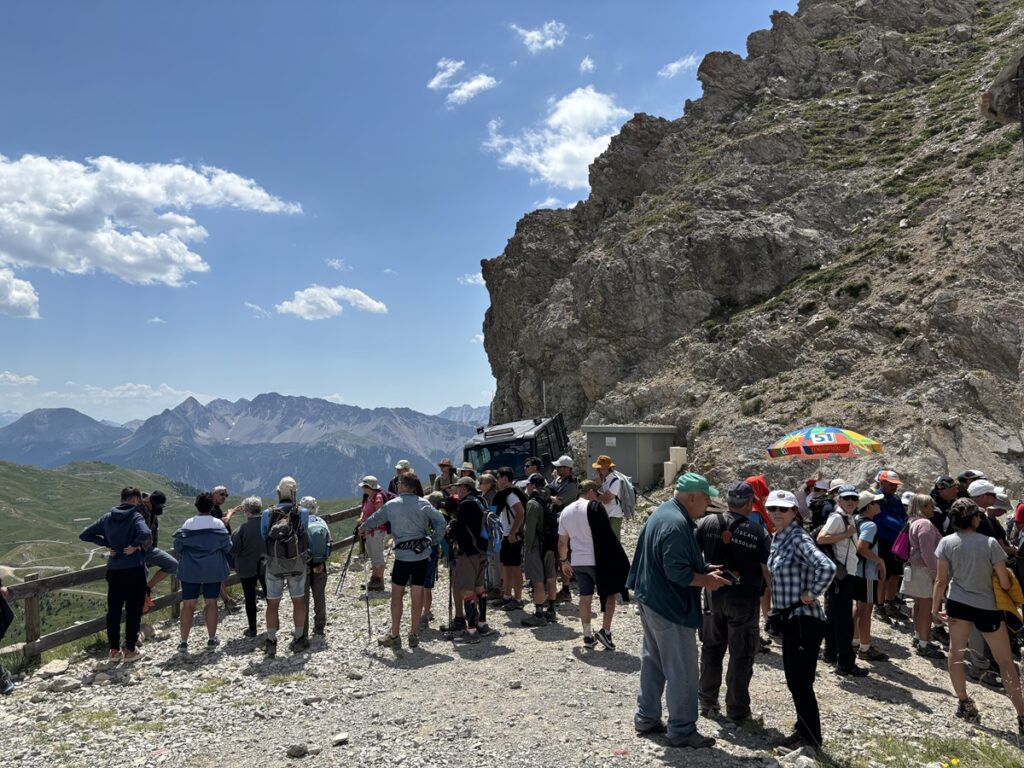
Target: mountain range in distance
column 248, row 445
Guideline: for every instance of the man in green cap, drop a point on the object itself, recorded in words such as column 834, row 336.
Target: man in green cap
column 667, row 575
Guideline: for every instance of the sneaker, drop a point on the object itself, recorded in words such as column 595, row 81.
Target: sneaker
column 693, row 741
column 249, row 633
column 424, row 623
column 765, row 645
column 929, row 651
column 6, row 686
column 458, row 625
column 829, row 658
column 749, row 720
column 991, row 678
column 131, row 656
column 872, row 654
column 414, row 640
column 299, row 644
column 645, row 730
column 966, row 710
column 771, row 633
column 390, row 641
column 792, row 742
column 148, row 604
column 535, row 620
column 115, row 654
column 550, row 616
column 564, row 595
column 940, row 635
column 853, row 671
column 183, row 646
column 893, row 612
column 588, row 641
column 467, row 636
column 881, row 613
column 605, row 638
column 375, row 584
column 511, row 605
column 711, row 713
column 212, row 643
column 483, row 629
column 270, row 647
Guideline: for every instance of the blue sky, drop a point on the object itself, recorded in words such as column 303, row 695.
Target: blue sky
column 229, row 198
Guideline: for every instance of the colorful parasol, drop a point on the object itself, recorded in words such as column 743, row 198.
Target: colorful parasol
column 822, row 442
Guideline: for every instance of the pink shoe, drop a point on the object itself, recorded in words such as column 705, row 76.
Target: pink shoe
column 115, row 655
column 131, row 656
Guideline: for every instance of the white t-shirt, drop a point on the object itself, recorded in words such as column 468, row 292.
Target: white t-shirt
column 845, row 550
column 507, row 516
column 572, row 522
column 612, row 485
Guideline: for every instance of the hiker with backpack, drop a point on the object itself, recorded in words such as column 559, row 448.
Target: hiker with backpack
column 415, row 527
column 319, row 534
column 204, row 545
column 871, row 572
column 731, row 621
column 152, row 507
column 466, row 537
column 510, row 502
column 249, row 551
column 373, row 539
column 611, row 491
column 920, row 571
column 540, row 548
column 837, row 538
column 123, row 531
column 284, row 528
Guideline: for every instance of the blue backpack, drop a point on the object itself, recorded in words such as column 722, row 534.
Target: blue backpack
column 319, row 540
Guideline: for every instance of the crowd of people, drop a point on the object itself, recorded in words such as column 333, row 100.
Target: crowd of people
column 819, row 564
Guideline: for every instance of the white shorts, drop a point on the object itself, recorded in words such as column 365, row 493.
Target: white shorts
column 375, row 548
column 296, row 586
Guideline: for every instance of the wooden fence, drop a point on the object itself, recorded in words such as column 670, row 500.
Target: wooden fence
column 33, row 588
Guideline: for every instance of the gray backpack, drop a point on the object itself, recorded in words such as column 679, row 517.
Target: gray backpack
column 287, row 541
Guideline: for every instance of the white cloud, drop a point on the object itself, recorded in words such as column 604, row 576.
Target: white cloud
column 17, row 297
column 548, row 202
column 547, row 37
column 14, row 380
column 319, row 302
column 559, row 151
column 157, row 321
column 337, row 264
column 256, row 309
column 587, row 65
column 472, row 278
column 446, row 70
column 127, row 219
column 673, row 68
column 389, row 271
column 478, row 338
column 469, row 89
column 335, row 398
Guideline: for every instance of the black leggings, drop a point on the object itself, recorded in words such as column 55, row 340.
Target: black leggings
column 125, row 589
column 249, row 591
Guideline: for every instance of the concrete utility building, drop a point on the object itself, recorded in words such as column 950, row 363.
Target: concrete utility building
column 638, row 450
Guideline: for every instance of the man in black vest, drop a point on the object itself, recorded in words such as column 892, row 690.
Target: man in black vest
column 741, row 548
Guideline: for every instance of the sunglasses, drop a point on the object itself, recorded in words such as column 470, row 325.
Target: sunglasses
column 780, row 509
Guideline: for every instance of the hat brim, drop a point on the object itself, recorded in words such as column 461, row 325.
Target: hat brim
column 777, row 503
column 595, row 465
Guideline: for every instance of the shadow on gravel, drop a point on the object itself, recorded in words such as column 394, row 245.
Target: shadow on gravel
column 613, row 661
column 414, row 658
column 553, row 633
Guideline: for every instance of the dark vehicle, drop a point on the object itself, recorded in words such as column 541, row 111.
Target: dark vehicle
column 509, row 445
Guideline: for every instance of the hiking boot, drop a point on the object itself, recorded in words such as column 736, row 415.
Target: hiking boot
column 564, row 595
column 588, row 641
column 872, row 654
column 375, row 584
column 693, row 741
column 765, row 645
column 748, row 721
column 966, row 710
column 414, row 640
column 390, row 641
column 249, row 633
column 483, row 629
column 929, row 651
column 550, row 616
column 270, row 648
column 115, row 654
column 991, row 678
column 711, row 712
column 146, row 606
column 132, row 656
column 770, row 631
column 882, row 614
column 458, row 625
column 298, row 644
column 468, row 636
column 535, row 620
column 6, row 685
column 792, row 742
column 829, row 658
column 604, row 637
column 183, row 646
column 647, row 730
column 212, row 643
column 893, row 612
column 853, row 671
column 511, row 605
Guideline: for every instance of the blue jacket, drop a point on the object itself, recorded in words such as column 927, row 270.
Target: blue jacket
column 666, row 560
column 411, row 519
column 891, row 519
column 121, row 527
column 203, row 543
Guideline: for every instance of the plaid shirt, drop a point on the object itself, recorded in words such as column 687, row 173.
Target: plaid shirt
column 798, row 566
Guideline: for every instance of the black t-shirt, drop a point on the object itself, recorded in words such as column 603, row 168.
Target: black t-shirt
column 746, row 551
column 468, row 521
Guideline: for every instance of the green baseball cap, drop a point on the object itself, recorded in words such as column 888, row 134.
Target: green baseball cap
column 691, row 482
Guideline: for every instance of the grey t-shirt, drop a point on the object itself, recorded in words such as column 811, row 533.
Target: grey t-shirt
column 971, row 556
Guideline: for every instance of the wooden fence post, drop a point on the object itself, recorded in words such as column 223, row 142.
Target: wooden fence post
column 176, row 608
column 33, row 622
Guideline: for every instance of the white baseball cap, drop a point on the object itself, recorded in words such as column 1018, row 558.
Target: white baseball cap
column 563, row 461
column 981, row 487
column 906, row 497
column 780, row 499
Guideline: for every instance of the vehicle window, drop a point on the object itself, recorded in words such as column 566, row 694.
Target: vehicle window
column 544, row 443
column 496, row 455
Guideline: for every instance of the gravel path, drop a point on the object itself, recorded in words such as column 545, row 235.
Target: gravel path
column 523, row 697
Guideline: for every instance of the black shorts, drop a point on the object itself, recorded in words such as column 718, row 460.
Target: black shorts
column 511, row 554
column 983, row 620
column 893, row 565
column 411, row 572
column 863, row 589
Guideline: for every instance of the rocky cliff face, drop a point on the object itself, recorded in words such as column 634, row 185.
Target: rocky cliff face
column 833, row 233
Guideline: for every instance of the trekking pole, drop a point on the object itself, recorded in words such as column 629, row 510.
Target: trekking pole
column 344, row 568
column 369, row 628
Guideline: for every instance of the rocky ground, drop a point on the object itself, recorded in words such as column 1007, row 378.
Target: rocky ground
column 523, row 697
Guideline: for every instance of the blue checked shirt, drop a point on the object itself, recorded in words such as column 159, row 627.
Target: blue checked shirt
column 798, row 566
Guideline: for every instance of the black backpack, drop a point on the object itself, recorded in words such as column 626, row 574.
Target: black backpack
column 548, row 530
column 287, row 541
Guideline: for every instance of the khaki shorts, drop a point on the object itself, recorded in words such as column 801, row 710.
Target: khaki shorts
column 539, row 567
column 468, row 575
